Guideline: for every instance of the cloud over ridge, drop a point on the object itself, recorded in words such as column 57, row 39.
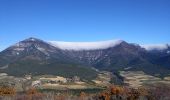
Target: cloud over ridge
column 155, row 46
column 85, row 45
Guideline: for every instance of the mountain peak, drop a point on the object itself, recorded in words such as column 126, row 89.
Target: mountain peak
column 32, row 39
column 27, row 42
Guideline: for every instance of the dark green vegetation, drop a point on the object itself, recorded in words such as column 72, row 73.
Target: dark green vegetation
column 117, row 79
column 22, row 68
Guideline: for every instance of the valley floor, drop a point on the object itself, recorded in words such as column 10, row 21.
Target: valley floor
column 137, row 86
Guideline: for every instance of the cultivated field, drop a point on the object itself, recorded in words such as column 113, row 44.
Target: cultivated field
column 137, row 79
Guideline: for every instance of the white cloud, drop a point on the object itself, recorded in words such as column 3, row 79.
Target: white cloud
column 85, row 45
column 155, row 46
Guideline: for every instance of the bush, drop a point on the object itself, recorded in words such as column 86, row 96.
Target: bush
column 7, row 91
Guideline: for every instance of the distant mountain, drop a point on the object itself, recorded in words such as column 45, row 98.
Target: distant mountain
column 161, row 57
column 123, row 56
column 34, row 56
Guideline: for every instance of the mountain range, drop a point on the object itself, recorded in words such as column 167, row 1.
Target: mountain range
column 38, row 57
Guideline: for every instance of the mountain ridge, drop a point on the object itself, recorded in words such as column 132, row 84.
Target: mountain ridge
column 114, row 57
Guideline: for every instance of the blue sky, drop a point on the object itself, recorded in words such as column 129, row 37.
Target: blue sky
column 137, row 21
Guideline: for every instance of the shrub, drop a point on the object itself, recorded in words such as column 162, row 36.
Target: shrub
column 7, row 91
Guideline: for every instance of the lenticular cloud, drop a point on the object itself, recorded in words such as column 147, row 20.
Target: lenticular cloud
column 85, row 45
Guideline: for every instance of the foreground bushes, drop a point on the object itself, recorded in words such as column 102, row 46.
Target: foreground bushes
column 7, row 91
column 160, row 92
column 123, row 93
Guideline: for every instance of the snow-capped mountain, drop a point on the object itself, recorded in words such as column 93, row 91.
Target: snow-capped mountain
column 47, row 57
column 34, row 56
column 34, row 48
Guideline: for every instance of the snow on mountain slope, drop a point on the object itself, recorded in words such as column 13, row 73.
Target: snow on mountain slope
column 85, row 45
